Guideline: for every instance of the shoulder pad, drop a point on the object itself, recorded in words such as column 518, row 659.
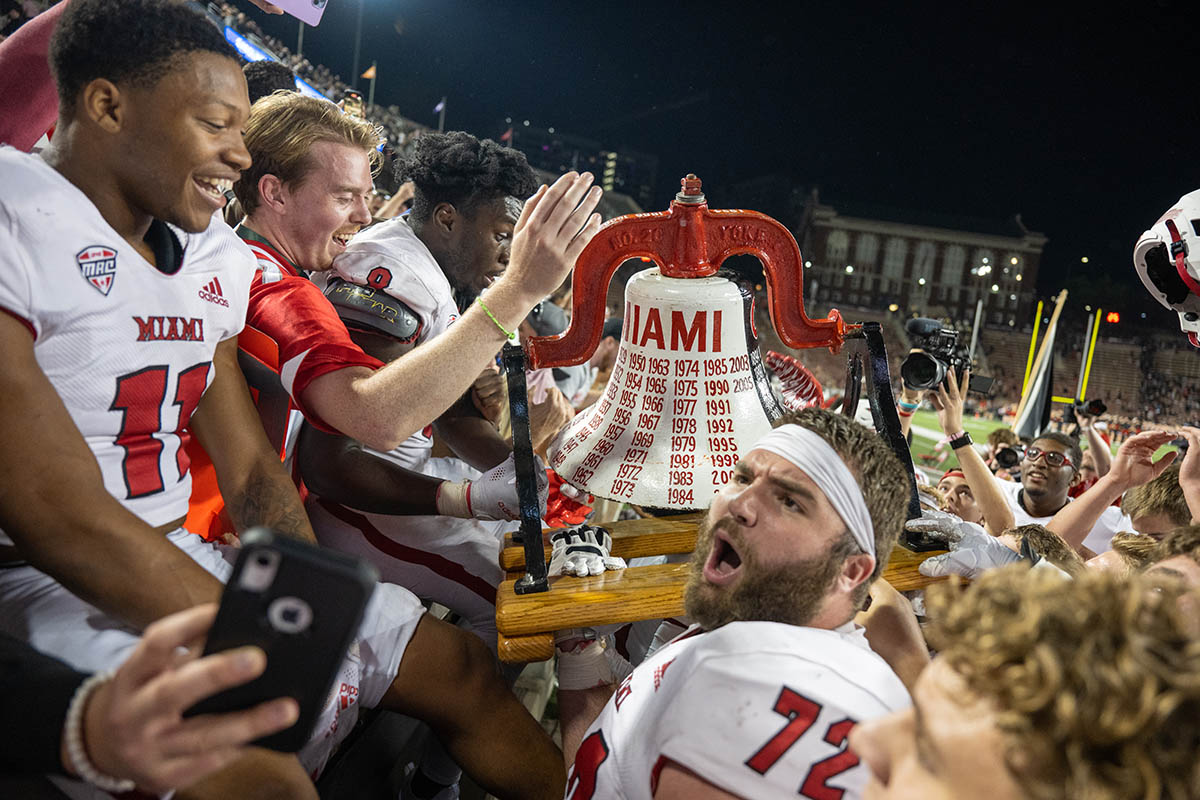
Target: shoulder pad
column 373, row 309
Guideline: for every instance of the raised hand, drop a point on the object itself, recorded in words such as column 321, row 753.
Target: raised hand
column 974, row 552
column 1189, row 471
column 489, row 393
column 1134, row 463
column 493, row 495
column 554, row 227
column 941, row 526
column 947, row 400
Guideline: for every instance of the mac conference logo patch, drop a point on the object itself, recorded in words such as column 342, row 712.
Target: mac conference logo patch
column 99, row 265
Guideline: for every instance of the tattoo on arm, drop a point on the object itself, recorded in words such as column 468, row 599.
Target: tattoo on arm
column 270, row 499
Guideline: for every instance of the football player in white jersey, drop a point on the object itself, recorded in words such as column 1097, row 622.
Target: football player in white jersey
column 122, row 300
column 431, row 525
column 1045, row 687
column 757, row 698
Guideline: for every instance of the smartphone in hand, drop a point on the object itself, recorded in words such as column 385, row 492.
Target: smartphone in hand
column 307, row 11
column 302, row 605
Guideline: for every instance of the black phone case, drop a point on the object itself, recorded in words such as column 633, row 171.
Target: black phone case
column 300, row 665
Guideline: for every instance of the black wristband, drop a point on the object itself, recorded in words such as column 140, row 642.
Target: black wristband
column 961, row 441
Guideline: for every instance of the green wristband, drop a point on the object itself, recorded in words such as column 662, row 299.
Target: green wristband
column 510, row 334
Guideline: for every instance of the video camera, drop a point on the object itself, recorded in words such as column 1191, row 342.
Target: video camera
column 939, row 351
column 1009, row 457
column 1089, row 408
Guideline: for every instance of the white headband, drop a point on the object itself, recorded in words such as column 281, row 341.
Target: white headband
column 825, row 468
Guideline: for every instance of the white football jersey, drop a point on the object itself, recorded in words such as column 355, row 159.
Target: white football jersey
column 758, row 709
column 389, row 256
column 1098, row 540
column 128, row 348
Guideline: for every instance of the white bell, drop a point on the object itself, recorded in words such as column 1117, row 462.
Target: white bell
column 681, row 397
column 688, row 394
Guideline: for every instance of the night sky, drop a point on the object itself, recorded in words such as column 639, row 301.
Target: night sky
column 1083, row 120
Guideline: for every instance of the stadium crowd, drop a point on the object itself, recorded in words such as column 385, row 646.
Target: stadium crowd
column 171, row 380
column 400, row 132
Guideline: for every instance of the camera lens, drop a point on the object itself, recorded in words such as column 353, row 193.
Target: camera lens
column 1008, row 457
column 922, row 371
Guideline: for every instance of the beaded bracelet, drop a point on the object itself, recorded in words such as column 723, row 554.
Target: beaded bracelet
column 73, row 732
column 511, row 335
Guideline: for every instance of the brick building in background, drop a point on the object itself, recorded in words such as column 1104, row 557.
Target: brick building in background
column 929, row 264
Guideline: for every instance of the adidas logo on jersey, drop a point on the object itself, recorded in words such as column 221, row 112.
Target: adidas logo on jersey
column 212, row 293
column 170, row 329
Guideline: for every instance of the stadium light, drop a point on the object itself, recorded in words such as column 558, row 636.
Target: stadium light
column 1083, row 260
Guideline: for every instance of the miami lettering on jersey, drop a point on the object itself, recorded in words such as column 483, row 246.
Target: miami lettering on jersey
column 131, row 361
column 170, row 329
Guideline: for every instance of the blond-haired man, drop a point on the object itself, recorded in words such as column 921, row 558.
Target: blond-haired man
column 1018, row 705
column 305, row 195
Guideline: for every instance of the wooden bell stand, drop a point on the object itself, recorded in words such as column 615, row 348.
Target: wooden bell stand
column 527, row 622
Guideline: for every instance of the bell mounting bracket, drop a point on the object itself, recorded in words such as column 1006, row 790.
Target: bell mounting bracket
column 687, row 241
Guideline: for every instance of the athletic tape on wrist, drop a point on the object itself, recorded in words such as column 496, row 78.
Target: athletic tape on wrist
column 453, row 499
column 821, row 463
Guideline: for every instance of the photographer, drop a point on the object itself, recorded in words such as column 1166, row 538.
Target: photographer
column 973, row 491
column 1097, row 459
column 1003, row 453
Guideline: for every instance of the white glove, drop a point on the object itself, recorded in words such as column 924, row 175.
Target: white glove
column 941, row 526
column 975, row 551
column 493, row 495
column 582, row 551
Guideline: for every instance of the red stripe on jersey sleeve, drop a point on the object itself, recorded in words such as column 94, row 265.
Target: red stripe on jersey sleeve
column 21, row 319
column 451, row 570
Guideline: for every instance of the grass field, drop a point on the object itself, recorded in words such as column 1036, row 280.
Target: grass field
column 926, row 433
